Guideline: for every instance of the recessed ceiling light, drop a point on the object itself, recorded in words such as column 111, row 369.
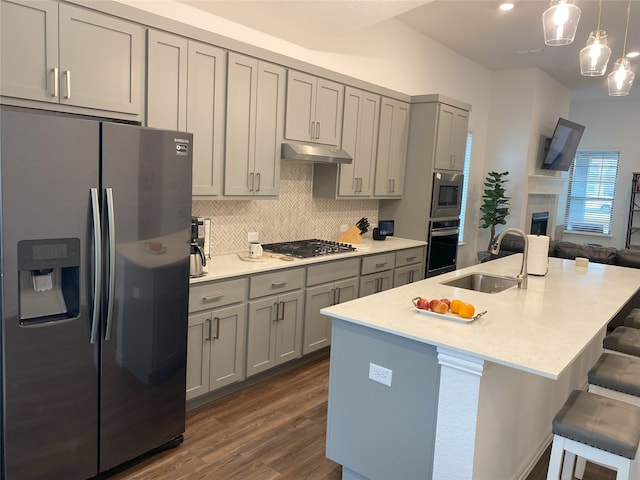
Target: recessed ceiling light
column 633, row 54
column 506, row 6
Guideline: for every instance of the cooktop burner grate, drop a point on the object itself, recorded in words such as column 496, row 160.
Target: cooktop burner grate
column 312, row 247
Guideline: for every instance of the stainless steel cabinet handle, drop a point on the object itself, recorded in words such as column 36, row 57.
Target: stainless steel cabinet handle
column 389, row 187
column 258, row 182
column 67, row 77
column 278, row 284
column 317, row 130
column 410, row 276
column 276, row 305
column 312, row 129
column 337, row 301
column 112, row 262
column 208, row 337
column 251, row 182
column 281, row 310
column 408, row 259
column 333, row 296
column 212, row 298
column 97, row 264
column 380, row 265
column 217, row 335
column 56, row 82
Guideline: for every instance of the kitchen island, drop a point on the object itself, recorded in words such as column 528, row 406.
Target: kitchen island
column 466, row 400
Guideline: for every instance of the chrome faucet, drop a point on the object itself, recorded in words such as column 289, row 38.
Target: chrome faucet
column 495, row 248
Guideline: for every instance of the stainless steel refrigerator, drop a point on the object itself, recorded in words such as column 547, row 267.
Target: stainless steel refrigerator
column 95, row 229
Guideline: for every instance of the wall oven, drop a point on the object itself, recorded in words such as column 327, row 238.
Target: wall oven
column 447, row 194
column 442, row 248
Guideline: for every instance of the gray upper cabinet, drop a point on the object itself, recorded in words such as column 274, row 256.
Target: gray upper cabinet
column 314, row 109
column 392, row 148
column 166, row 81
column 186, row 91
column 255, row 125
column 451, row 137
column 360, row 140
column 62, row 54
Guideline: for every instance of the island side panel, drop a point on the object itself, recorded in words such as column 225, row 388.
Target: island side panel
column 376, row 431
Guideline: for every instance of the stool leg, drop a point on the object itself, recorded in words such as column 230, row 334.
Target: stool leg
column 581, row 464
column 567, row 466
column 555, row 460
column 624, row 471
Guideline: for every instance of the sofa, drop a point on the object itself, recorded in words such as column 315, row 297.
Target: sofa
column 595, row 253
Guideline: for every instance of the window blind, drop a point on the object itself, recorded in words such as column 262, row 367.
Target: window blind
column 592, row 189
column 465, row 172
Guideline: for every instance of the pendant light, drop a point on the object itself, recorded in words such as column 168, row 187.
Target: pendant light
column 560, row 22
column 595, row 56
column 621, row 78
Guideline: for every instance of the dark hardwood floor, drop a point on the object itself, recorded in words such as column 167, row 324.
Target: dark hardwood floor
column 271, row 430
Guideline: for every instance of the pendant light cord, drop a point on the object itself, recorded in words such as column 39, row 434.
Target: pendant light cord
column 600, row 13
column 624, row 48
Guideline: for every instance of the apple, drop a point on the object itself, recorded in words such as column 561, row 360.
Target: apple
column 447, row 301
column 438, row 306
column 422, row 304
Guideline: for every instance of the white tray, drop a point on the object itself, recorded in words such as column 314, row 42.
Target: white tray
column 449, row 316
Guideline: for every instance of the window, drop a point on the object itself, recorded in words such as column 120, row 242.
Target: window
column 465, row 172
column 592, row 189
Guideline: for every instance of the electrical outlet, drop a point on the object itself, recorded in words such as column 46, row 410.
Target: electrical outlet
column 380, row 374
column 253, row 237
column 344, row 227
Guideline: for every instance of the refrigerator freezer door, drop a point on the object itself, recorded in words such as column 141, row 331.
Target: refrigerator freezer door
column 48, row 165
column 146, row 179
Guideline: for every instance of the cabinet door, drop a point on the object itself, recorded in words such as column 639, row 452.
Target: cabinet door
column 241, row 126
column 227, row 346
column 451, row 139
column 29, row 49
column 329, row 106
column 269, row 128
column 375, row 282
column 101, row 61
column 301, row 101
column 198, row 354
column 459, row 138
column 261, row 335
column 405, row 275
column 317, row 327
column 360, row 140
column 289, row 326
column 166, row 81
column 206, row 115
column 392, row 148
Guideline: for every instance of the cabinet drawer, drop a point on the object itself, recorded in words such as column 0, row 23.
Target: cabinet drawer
column 332, row 271
column 276, row 282
column 217, row 294
column 378, row 263
column 409, row 256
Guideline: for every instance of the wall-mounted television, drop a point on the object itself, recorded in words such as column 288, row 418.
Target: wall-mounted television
column 560, row 149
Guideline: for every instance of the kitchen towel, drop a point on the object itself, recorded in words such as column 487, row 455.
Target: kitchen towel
column 538, row 255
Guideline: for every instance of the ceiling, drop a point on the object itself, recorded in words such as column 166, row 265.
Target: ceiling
column 475, row 29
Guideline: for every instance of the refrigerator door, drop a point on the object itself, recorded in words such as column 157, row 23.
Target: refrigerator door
column 146, row 178
column 48, row 165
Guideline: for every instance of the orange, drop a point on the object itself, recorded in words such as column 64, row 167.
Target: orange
column 455, row 305
column 466, row 310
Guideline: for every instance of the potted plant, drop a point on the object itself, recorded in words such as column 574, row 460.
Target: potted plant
column 495, row 206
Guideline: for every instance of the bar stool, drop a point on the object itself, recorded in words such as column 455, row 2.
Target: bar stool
column 603, row 430
column 616, row 376
column 623, row 340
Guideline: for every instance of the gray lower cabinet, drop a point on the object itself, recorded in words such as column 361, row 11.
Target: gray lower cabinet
column 327, row 284
column 377, row 273
column 216, row 336
column 409, row 266
column 255, row 126
column 274, row 334
column 186, row 86
column 62, row 54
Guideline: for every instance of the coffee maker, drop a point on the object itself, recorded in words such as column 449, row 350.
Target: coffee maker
column 197, row 259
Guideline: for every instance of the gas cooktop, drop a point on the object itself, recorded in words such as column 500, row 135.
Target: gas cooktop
column 312, row 247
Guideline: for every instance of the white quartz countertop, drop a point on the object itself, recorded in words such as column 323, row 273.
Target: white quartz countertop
column 541, row 329
column 230, row 265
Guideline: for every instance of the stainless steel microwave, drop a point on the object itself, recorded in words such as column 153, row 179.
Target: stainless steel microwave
column 446, row 195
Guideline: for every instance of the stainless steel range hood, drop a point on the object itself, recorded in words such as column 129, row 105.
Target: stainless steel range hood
column 308, row 152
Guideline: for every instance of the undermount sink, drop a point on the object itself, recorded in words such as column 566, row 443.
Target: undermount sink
column 482, row 282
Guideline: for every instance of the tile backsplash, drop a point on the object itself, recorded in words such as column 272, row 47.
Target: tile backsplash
column 295, row 215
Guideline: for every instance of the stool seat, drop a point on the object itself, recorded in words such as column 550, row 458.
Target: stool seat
column 603, row 423
column 623, row 340
column 633, row 319
column 616, row 372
